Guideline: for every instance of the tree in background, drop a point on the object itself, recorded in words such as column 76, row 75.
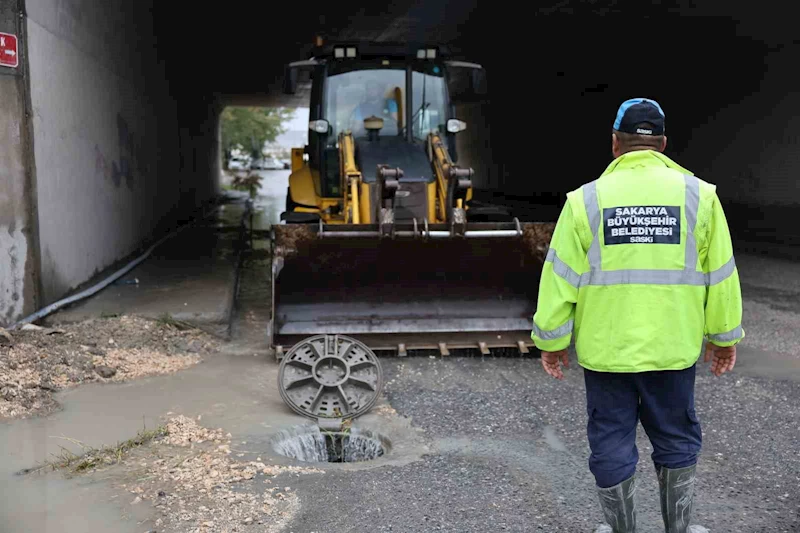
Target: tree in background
column 248, row 128
column 250, row 183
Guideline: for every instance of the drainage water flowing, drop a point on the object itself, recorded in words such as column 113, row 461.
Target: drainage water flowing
column 310, row 444
column 304, row 444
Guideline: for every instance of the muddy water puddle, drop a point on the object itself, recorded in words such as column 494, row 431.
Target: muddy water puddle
column 235, row 393
column 229, row 392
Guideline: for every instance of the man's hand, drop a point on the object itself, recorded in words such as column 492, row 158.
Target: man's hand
column 722, row 358
column 550, row 362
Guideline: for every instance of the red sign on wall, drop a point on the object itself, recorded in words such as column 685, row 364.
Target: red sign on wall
column 8, row 50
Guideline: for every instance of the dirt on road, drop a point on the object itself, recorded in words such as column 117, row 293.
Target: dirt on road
column 35, row 362
column 192, row 477
column 190, row 480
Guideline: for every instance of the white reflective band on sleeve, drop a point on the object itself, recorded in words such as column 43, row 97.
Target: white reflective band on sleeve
column 562, row 269
column 728, row 336
column 593, row 212
column 692, row 204
column 553, row 334
column 722, row 273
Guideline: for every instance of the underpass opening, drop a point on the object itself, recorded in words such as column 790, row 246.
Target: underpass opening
column 137, row 148
column 126, row 139
column 256, row 144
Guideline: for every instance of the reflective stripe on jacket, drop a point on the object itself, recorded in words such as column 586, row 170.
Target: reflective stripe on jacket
column 640, row 269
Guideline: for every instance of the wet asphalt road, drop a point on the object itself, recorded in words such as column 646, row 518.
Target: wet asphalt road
column 511, row 455
column 510, row 450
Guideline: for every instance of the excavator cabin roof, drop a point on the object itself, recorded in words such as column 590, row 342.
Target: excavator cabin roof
column 373, row 50
column 369, row 50
column 360, row 53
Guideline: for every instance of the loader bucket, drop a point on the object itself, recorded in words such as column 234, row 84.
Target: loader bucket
column 419, row 288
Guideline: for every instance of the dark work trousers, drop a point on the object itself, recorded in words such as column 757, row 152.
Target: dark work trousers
column 664, row 400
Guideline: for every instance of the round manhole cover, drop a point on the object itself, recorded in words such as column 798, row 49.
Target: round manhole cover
column 330, row 376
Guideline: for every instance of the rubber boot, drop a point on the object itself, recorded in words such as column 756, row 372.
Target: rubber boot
column 619, row 507
column 677, row 499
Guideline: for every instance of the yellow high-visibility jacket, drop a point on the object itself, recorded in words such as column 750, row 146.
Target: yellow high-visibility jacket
column 640, row 269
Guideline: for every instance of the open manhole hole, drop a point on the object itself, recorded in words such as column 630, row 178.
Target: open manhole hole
column 312, row 445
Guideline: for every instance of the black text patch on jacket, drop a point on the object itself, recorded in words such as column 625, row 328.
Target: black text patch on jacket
column 651, row 224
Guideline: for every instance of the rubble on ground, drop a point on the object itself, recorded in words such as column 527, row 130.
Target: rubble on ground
column 35, row 362
column 201, row 488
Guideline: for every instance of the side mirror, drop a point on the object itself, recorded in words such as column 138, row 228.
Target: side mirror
column 290, row 80
column 319, row 126
column 454, row 125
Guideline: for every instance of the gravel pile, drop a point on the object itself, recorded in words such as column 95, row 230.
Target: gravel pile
column 183, row 431
column 35, row 362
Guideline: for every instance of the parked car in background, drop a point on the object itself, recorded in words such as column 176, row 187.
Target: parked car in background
column 265, row 163
column 272, row 163
column 237, row 163
column 286, row 164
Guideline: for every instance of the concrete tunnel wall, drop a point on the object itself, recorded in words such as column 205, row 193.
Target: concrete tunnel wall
column 105, row 136
column 18, row 269
column 106, row 155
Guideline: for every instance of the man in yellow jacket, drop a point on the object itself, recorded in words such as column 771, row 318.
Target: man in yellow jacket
column 640, row 271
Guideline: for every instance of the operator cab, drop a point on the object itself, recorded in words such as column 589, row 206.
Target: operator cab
column 390, row 97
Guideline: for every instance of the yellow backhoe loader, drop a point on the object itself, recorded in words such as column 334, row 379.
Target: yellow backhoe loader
column 381, row 240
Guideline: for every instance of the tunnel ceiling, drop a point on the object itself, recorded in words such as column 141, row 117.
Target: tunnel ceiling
column 555, row 77
column 239, row 51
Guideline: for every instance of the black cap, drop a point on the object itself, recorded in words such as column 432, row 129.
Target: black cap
column 640, row 116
